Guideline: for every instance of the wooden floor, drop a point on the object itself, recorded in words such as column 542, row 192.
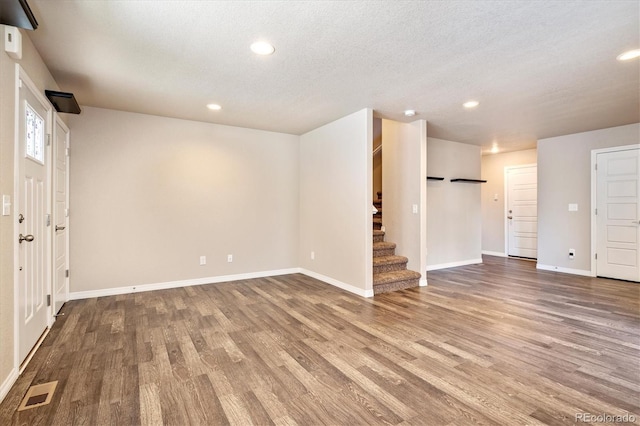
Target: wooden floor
column 498, row 343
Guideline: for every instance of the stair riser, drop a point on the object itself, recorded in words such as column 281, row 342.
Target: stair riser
column 389, row 268
column 377, row 225
column 384, row 252
column 378, row 238
column 398, row 285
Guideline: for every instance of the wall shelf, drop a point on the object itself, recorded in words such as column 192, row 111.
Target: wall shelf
column 468, row 180
column 434, row 178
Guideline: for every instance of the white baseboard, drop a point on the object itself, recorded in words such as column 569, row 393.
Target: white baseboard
column 423, row 282
column 494, row 253
column 8, row 383
column 454, row 264
column 176, row 284
column 582, row 272
column 344, row 286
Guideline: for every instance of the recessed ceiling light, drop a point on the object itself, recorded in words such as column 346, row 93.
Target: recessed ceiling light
column 214, row 107
column 262, row 48
column 410, row 112
column 494, row 149
column 631, row 54
column 471, row 104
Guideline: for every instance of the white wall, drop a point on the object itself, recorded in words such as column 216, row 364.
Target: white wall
column 335, row 202
column 32, row 63
column 493, row 213
column 150, row 195
column 404, row 164
column 454, row 214
column 564, row 177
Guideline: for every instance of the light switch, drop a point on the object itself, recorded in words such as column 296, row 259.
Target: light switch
column 415, row 209
column 6, row 205
column 573, row 207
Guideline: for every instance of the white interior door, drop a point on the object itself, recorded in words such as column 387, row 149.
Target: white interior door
column 522, row 211
column 618, row 214
column 34, row 115
column 60, row 215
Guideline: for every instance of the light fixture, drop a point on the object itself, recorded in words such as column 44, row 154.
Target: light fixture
column 214, row 107
column 494, row 149
column 410, row 112
column 471, row 104
column 262, row 48
column 631, row 54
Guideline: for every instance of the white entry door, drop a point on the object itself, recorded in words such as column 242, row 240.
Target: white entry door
column 34, row 115
column 60, row 215
column 618, row 214
column 522, row 211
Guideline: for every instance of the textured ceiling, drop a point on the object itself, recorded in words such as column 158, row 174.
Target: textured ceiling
column 538, row 68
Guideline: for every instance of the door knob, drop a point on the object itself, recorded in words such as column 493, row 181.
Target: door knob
column 60, row 228
column 509, row 217
column 27, row 238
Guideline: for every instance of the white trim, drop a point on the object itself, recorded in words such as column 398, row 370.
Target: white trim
column 344, row 286
column 16, row 229
column 423, row 281
column 582, row 272
column 8, row 383
column 76, row 295
column 594, row 201
column 454, row 264
column 494, row 253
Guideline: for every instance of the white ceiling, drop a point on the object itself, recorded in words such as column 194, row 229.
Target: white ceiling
column 539, row 68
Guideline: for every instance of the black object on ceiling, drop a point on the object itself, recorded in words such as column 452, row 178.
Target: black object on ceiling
column 17, row 13
column 63, row 101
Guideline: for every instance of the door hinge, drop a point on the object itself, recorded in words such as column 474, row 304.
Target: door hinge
column 66, row 273
column 48, row 220
column 596, row 256
column 68, row 152
column 66, row 212
column 596, row 166
column 596, row 212
column 48, row 300
column 49, row 139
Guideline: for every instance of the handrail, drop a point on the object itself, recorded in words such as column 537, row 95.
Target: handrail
column 377, row 150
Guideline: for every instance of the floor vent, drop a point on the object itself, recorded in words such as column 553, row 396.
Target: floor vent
column 38, row 396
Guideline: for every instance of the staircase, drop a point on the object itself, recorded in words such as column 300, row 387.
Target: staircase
column 390, row 272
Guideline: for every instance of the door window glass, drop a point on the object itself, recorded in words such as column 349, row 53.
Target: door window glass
column 34, row 132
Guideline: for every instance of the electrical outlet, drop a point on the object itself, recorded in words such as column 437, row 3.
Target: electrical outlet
column 229, row 258
column 203, row 260
column 313, row 255
column 572, row 253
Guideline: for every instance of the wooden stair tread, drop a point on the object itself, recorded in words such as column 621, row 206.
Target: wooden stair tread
column 394, row 276
column 389, row 260
column 377, row 220
column 377, row 232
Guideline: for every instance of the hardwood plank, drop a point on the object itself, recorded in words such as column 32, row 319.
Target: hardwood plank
column 496, row 343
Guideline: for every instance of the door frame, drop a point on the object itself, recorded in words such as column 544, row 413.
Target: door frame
column 21, row 75
column 506, row 201
column 594, row 193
